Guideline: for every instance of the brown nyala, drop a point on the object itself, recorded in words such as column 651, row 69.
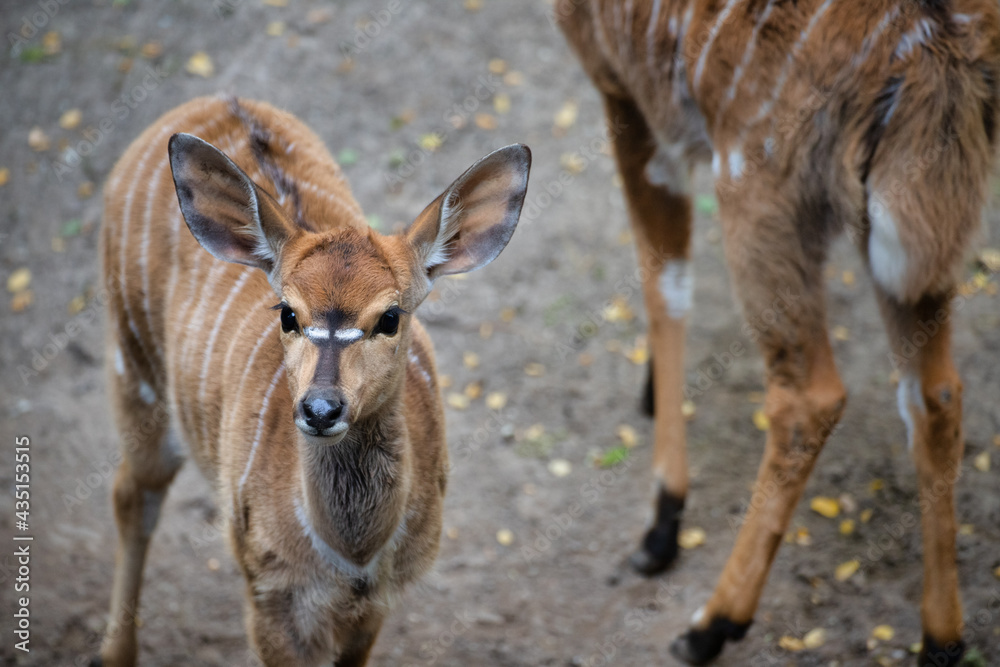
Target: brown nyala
column 285, row 354
column 818, row 116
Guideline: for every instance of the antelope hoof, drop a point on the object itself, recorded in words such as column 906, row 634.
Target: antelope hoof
column 659, row 547
column 656, row 554
column 934, row 654
column 700, row 647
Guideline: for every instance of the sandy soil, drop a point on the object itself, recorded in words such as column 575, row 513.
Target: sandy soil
column 564, row 599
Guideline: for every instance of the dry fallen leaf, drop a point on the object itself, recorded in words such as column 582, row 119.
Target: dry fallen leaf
column 760, row 420
column 200, row 64
column 866, row 515
column 876, row 485
column 996, row 572
column 19, row 280
column 628, row 436
column 58, row 244
column 152, row 50
column 496, row 400
column 485, row 330
column 276, row 3
column 85, row 190
column 883, row 633
column 513, row 79
column 76, row 304
column 38, row 140
column 497, row 66
column 566, row 116
column 319, row 15
column 51, row 43
column 688, row 409
column 982, row 462
column 431, row 141
column 276, row 28
column 213, row 564
column 573, row 163
column 847, row 277
column 473, row 5
column 70, row 119
column 966, row 529
column 618, row 310
column 508, row 314
column 485, row 121
column 828, row 507
column 458, row 401
column 847, row 527
column 22, row 300
column 534, row 369
column 560, row 467
column 452, row 533
column 470, row 359
column 505, row 537
column 802, row 537
column 4, row 176
column 444, row 381
column 846, row 570
column 638, row 355
column 841, row 333
column 814, row 638
column 791, row 644
column 501, row 103
column 691, row 538
column 473, row 390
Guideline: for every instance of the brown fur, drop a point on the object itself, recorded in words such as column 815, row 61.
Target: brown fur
column 878, row 118
column 194, row 346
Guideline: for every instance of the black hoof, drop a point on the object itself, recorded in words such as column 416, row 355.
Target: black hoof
column 935, row 654
column 700, row 647
column 659, row 547
column 96, row 661
column 648, row 405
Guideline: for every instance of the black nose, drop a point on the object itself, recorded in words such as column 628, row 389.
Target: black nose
column 322, row 409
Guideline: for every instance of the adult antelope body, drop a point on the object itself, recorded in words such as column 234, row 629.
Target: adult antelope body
column 319, row 419
column 818, row 115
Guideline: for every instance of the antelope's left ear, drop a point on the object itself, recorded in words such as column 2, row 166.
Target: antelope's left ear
column 471, row 222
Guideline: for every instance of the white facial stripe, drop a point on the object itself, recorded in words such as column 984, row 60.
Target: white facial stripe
column 348, row 335
column 316, row 333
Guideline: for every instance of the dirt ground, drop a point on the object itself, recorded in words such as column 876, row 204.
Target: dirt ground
column 558, row 593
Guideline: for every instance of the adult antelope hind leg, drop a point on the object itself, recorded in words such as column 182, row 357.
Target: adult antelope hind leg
column 804, row 400
column 661, row 220
column 930, row 402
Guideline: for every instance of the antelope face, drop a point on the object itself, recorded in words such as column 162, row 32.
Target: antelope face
column 347, row 294
column 345, row 312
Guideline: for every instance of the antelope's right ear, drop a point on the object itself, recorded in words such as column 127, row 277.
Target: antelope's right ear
column 231, row 216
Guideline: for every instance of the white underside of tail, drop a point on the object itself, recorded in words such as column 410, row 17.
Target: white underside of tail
column 887, row 257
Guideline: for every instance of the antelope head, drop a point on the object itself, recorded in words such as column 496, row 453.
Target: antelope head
column 347, row 294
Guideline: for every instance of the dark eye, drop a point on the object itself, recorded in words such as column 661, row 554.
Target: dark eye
column 288, row 321
column 388, row 324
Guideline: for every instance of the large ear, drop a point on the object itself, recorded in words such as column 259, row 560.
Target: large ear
column 472, row 221
column 230, row 215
